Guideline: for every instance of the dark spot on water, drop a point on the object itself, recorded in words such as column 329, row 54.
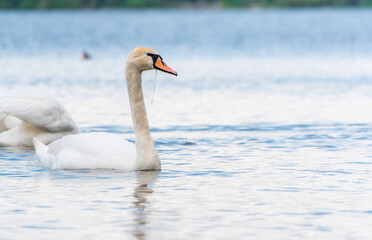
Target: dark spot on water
column 326, row 172
column 109, row 128
column 43, row 227
column 320, row 213
column 116, row 188
column 328, row 146
column 198, row 173
column 325, row 229
column 357, row 125
column 348, row 211
column 18, row 211
column 279, row 190
column 250, row 127
column 40, row 170
column 181, row 164
column 19, row 176
column 362, row 163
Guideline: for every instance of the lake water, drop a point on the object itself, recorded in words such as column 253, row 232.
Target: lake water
column 265, row 134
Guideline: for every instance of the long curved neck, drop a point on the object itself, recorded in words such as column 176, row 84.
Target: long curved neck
column 146, row 155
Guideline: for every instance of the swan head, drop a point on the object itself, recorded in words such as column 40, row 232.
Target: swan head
column 147, row 59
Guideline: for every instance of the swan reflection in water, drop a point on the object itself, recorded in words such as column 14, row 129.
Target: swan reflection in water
column 141, row 203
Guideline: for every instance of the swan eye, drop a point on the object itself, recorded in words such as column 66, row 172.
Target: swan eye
column 154, row 57
column 159, row 64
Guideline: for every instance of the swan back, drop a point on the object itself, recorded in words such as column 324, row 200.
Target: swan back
column 88, row 151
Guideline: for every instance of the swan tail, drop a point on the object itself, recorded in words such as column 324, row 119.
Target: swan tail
column 40, row 148
column 41, row 151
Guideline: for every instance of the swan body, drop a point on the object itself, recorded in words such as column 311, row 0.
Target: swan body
column 26, row 115
column 109, row 151
column 88, row 151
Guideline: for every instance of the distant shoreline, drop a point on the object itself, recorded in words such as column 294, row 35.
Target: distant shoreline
column 180, row 4
column 186, row 8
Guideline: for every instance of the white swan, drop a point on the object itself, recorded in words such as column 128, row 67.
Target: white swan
column 25, row 115
column 105, row 150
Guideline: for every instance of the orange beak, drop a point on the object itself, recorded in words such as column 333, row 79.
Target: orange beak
column 160, row 64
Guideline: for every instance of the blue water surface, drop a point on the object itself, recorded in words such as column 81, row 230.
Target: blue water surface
column 265, row 133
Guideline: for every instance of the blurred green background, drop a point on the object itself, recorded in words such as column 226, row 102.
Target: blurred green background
column 56, row 4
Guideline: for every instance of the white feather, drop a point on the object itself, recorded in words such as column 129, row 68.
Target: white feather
column 31, row 113
column 88, row 151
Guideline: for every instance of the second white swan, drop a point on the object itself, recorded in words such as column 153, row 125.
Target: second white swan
column 32, row 113
column 105, row 150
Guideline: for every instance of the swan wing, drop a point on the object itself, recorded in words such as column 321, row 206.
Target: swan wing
column 41, row 111
column 7, row 121
column 88, row 151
